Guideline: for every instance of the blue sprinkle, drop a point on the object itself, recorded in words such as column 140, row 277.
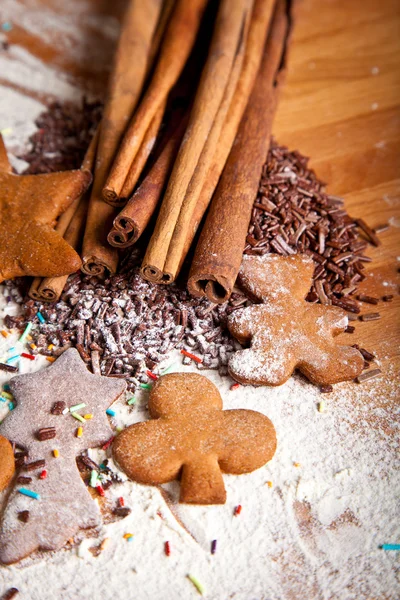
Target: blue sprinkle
column 6, row 387
column 29, row 493
column 15, row 357
column 111, row 412
column 7, row 26
column 3, row 399
column 11, row 406
column 390, row 546
column 40, row 317
column 11, row 349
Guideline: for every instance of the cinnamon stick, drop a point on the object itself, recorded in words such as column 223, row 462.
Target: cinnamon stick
column 196, row 205
column 219, row 251
column 214, row 84
column 133, row 219
column 178, row 41
column 130, row 67
column 64, row 221
column 141, row 157
column 51, row 288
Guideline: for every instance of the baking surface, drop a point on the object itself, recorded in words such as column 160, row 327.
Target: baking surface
column 340, row 106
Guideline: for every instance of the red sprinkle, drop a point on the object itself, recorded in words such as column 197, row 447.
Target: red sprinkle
column 235, row 386
column 30, row 356
column 152, row 375
column 167, row 548
column 108, row 444
column 192, row 356
column 121, row 501
column 238, row 510
column 43, row 474
column 100, row 490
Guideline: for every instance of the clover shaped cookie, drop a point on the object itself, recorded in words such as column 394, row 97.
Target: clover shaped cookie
column 285, row 332
column 192, row 437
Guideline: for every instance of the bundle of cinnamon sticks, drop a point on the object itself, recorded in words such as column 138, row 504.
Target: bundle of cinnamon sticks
column 149, row 165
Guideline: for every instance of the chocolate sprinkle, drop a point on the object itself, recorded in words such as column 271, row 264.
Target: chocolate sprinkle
column 23, row 516
column 37, row 464
column 46, row 433
column 58, row 407
column 10, row 594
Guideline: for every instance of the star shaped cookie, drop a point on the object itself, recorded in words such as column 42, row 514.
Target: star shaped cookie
column 29, row 208
column 61, row 504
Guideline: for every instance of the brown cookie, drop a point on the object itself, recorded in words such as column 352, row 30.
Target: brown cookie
column 63, row 505
column 29, row 207
column 7, row 463
column 192, row 437
column 285, row 332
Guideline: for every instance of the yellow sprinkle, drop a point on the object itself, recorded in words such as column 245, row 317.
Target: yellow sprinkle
column 4, row 333
column 321, row 406
column 50, row 347
column 33, row 346
column 296, row 464
column 29, row 337
column 104, row 544
column 269, row 484
column 79, row 432
column 6, row 131
column 56, row 453
column 87, row 417
column 7, row 395
column 50, row 358
column 128, row 536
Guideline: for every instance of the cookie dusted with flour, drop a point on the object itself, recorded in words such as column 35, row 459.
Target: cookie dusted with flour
column 6, row 463
column 190, row 435
column 53, row 498
column 285, row 332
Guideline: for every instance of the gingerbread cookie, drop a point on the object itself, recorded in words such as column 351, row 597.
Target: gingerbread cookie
column 285, row 332
column 7, row 467
column 193, row 437
column 53, row 496
column 29, row 207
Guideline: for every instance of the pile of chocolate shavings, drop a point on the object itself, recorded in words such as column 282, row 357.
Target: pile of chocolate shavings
column 292, row 213
column 125, row 326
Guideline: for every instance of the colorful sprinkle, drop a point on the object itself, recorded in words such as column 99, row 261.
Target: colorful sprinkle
column 56, row 453
column 93, row 478
column 40, row 317
column 50, row 347
column 100, row 490
column 6, row 26
column 111, row 412
column 192, row 356
column 104, row 544
column 196, row 583
column 235, row 386
column 29, row 493
column 78, row 417
column 77, row 407
column 26, row 332
column 2, row 399
column 131, row 401
column 321, row 406
column 11, row 406
column 30, row 356
column 213, row 546
column 168, row 369
column 121, row 501
column 296, row 464
column 65, row 411
column 128, row 537
column 50, row 358
column 79, row 432
column 152, row 375
column 390, row 546
column 33, row 346
column 15, row 357
column 7, row 395
column 88, row 416
column 108, row 443
column 43, row 474
column 167, row 549
column 237, row 510
column 4, row 333
column 270, row 484
column 145, row 386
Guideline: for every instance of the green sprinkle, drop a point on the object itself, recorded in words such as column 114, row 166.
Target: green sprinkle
column 7, row 395
column 93, row 478
column 196, row 583
column 78, row 417
column 77, row 407
column 168, row 369
column 119, row 429
column 131, row 401
column 26, row 332
column 145, row 386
